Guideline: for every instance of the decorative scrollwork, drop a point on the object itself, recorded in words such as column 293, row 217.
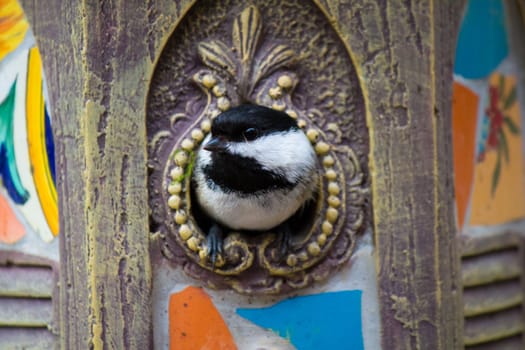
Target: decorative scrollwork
column 252, row 69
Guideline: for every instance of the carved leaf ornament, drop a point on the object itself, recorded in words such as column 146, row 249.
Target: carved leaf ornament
column 250, row 69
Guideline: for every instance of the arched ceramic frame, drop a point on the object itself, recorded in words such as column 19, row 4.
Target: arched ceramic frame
column 257, row 68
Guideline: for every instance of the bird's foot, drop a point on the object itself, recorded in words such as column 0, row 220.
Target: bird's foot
column 214, row 242
column 284, row 240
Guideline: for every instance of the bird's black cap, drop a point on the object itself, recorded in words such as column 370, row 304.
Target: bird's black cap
column 233, row 123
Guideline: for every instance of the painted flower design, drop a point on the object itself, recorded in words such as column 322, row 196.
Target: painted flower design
column 497, row 125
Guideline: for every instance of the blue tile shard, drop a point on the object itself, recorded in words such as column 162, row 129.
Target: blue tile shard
column 482, row 42
column 312, row 322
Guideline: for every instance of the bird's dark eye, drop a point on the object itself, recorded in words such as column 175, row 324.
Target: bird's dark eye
column 250, row 134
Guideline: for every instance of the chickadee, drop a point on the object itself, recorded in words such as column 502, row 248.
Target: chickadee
column 252, row 173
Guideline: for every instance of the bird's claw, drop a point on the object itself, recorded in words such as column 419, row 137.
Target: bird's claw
column 214, row 242
column 284, row 240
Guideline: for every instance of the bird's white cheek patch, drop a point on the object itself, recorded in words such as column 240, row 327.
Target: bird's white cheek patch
column 287, row 152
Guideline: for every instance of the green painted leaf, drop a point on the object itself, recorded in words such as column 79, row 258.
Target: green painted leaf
column 511, row 98
column 513, row 128
column 501, row 86
column 504, row 145
column 495, row 175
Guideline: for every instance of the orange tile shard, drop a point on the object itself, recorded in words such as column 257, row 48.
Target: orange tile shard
column 11, row 230
column 464, row 122
column 195, row 323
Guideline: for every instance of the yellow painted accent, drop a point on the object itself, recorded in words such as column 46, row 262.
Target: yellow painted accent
column 45, row 187
column 13, row 26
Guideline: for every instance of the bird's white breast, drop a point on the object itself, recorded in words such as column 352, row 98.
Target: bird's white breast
column 241, row 212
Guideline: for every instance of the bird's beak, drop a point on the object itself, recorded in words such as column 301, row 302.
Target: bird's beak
column 216, row 144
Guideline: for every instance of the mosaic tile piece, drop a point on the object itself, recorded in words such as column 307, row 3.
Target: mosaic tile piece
column 464, row 123
column 482, row 42
column 195, row 323
column 13, row 26
column 8, row 170
column 499, row 190
column 321, row 321
column 11, row 230
column 26, row 144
